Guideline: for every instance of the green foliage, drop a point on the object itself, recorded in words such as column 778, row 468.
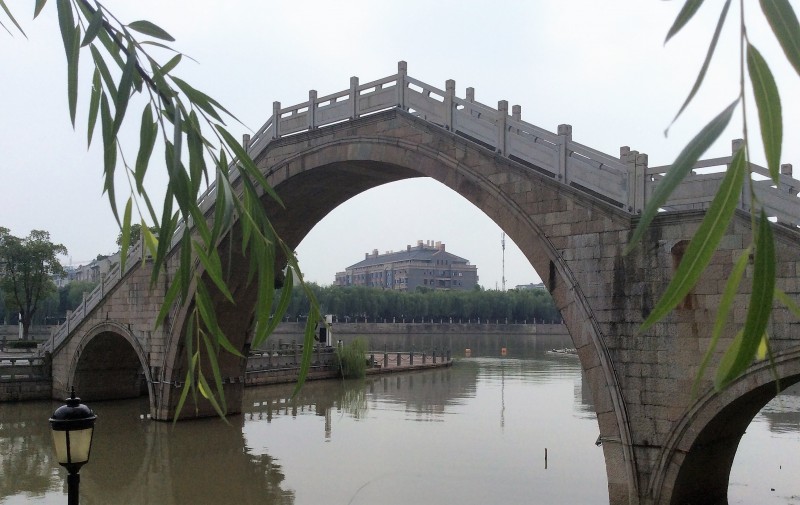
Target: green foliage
column 26, row 268
column 378, row 304
column 134, row 235
column 199, row 154
column 352, row 359
column 71, row 295
column 23, row 344
column 752, row 335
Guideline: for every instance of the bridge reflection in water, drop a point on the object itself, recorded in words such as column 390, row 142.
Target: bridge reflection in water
column 473, row 433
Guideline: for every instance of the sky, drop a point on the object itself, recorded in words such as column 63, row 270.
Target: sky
column 602, row 67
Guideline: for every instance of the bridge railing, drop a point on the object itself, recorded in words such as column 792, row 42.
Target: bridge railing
column 698, row 189
column 90, row 301
column 625, row 181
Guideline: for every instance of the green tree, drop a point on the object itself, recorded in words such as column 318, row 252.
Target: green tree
column 135, row 234
column 27, row 266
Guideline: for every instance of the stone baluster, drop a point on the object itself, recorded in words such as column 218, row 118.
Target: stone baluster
column 786, row 170
column 276, row 120
column 565, row 134
column 312, row 109
column 353, row 97
column 501, row 122
column 449, row 104
column 402, row 73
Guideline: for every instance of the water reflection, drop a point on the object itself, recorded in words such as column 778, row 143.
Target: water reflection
column 136, row 460
column 473, row 433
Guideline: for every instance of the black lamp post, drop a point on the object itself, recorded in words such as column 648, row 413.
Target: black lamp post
column 72, row 425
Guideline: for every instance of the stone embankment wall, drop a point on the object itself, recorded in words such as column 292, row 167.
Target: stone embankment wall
column 404, row 336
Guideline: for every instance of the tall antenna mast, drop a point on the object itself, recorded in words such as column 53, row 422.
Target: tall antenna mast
column 503, row 245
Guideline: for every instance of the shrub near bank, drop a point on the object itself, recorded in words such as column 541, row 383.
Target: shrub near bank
column 352, row 359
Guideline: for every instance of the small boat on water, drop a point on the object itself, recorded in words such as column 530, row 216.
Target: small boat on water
column 566, row 350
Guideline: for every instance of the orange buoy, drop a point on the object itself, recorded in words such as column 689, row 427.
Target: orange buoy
column 503, row 351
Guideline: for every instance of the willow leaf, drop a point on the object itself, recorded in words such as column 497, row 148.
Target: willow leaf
column 187, row 385
column 705, row 240
column 763, row 347
column 150, row 240
column 194, row 145
column 277, row 315
column 109, row 154
column 209, row 317
column 124, row 90
column 726, row 364
column 94, row 106
column 760, row 306
column 93, row 29
column 213, row 360
column 205, row 390
column 686, row 13
column 169, row 299
column 701, row 75
column 308, row 347
column 768, row 101
column 37, row 9
column 166, row 67
column 11, row 17
column 66, row 24
column 151, row 29
column 788, row 302
column 197, row 97
column 683, row 165
column 148, row 132
column 100, row 64
column 783, row 21
column 211, row 262
column 731, row 287
column 126, row 236
column 247, row 163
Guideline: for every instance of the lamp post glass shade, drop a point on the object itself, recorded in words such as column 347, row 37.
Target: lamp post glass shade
column 72, row 425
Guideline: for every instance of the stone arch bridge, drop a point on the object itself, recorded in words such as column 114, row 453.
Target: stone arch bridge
column 571, row 210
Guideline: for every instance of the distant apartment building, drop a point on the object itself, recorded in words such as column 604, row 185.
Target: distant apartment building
column 427, row 264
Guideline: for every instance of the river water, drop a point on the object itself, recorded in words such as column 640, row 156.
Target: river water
column 490, row 429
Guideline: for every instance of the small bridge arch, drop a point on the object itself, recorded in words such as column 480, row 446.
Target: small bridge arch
column 110, row 364
column 696, row 461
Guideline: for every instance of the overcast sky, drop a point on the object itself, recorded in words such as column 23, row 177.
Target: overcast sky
column 600, row 66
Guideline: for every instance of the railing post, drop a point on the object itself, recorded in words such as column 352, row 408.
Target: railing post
column 786, row 169
column 470, row 94
column 353, row 97
column 449, row 105
column 402, row 72
column 312, row 109
column 516, row 112
column 640, row 161
column 565, row 132
column 245, row 141
column 276, row 120
column 501, row 122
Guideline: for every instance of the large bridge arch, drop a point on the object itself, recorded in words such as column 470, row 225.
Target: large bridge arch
column 315, row 172
column 110, row 364
column 696, row 461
